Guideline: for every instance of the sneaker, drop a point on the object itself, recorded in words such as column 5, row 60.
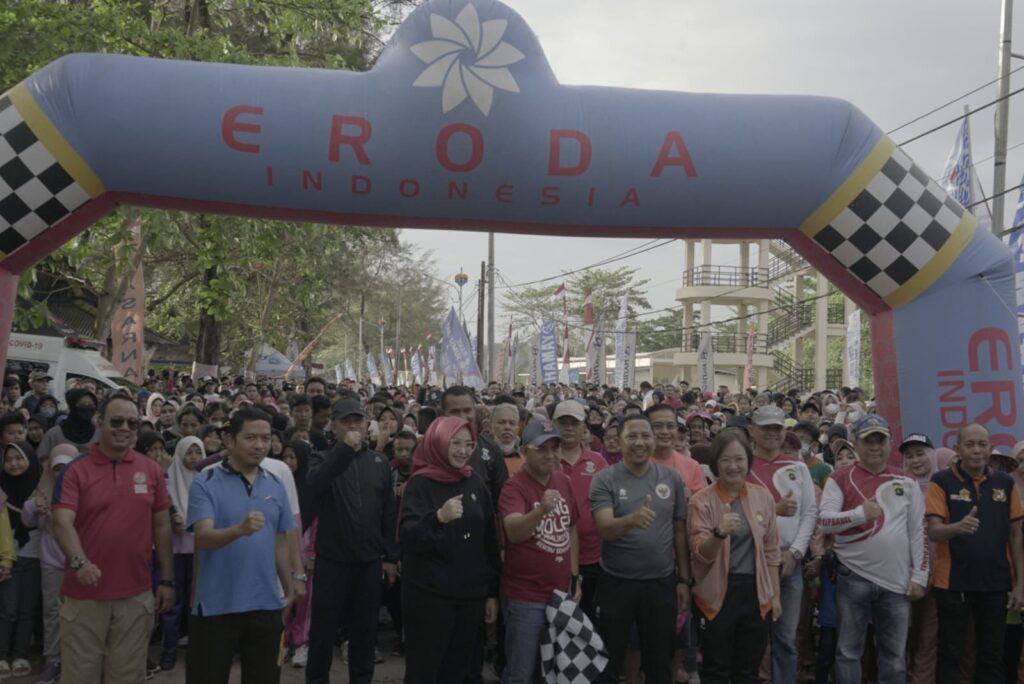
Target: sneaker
column 21, row 667
column 301, row 656
column 183, row 642
column 50, row 673
column 5, row 669
column 344, row 652
column 378, row 657
column 168, row 659
column 152, row 667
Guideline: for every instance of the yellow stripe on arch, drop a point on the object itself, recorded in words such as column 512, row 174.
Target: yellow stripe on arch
column 938, row 264
column 851, row 187
column 54, row 141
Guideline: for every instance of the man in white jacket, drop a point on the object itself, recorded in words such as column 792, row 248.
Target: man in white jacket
column 877, row 516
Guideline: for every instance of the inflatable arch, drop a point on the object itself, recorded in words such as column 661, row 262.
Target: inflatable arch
column 462, row 125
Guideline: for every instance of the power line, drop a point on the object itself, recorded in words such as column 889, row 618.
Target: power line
column 635, row 251
column 953, row 101
column 961, row 117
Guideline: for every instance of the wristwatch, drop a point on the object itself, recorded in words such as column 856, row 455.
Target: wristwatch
column 718, row 533
column 167, row 583
column 299, row 576
column 688, row 581
column 797, row 556
column 77, row 562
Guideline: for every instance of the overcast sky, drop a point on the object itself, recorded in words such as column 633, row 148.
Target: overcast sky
column 893, row 60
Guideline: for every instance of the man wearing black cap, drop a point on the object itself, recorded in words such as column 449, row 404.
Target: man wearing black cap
column 355, row 545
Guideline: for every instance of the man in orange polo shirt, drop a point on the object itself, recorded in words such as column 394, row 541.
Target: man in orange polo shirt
column 974, row 516
column 110, row 508
column 663, row 421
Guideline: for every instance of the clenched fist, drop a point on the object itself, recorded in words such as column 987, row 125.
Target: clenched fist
column 252, row 524
column 451, row 510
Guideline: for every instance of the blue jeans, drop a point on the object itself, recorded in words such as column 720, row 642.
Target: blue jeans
column 524, row 622
column 783, row 632
column 860, row 601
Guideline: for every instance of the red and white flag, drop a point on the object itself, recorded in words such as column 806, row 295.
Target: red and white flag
column 559, row 290
column 588, row 308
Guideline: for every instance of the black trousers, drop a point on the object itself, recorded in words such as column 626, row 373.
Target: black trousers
column 344, row 595
column 987, row 610
column 392, row 598
column 650, row 605
column 214, row 639
column 733, row 642
column 588, row 580
column 440, row 635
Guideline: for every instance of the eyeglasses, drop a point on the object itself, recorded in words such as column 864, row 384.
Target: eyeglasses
column 133, row 423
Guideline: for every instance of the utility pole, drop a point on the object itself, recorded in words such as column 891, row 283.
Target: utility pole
column 480, row 316
column 398, row 323
column 361, row 354
column 1002, row 117
column 491, row 349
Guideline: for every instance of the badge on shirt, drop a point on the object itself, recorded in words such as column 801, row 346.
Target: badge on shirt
column 141, row 489
column 139, row 478
column 963, row 495
column 663, row 490
column 898, row 489
column 999, row 495
column 622, row 494
column 485, row 454
column 590, row 467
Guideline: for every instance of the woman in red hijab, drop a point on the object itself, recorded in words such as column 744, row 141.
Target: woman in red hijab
column 450, row 563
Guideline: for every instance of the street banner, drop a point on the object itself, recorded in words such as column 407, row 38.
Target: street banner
column 385, row 366
column 459, row 352
column 625, row 348
column 548, row 352
column 852, row 350
column 128, row 322
column 706, row 363
column 371, row 368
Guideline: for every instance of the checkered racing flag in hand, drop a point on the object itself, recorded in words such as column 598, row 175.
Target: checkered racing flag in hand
column 571, row 651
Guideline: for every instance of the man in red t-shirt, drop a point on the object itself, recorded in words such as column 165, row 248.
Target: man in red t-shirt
column 538, row 516
column 581, row 465
column 110, row 508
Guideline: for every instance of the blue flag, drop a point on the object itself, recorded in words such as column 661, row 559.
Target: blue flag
column 458, row 352
column 1016, row 241
column 548, row 352
column 960, row 181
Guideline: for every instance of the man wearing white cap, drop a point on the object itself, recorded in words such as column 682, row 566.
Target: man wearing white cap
column 790, row 483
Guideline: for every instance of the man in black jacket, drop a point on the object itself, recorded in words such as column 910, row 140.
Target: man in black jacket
column 355, row 546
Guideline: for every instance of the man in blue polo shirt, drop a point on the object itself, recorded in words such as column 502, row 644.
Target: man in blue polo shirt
column 240, row 514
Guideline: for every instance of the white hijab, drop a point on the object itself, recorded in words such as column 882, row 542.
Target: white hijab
column 179, row 478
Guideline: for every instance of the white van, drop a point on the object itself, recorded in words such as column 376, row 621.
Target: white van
column 65, row 359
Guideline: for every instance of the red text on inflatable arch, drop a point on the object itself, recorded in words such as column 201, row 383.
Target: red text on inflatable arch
column 990, row 385
column 570, row 153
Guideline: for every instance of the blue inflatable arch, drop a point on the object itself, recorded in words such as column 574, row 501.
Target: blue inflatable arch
column 462, row 125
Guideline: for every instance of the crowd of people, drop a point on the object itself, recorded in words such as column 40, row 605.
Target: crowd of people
column 579, row 533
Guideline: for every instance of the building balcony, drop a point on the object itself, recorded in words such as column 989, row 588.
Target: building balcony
column 725, row 283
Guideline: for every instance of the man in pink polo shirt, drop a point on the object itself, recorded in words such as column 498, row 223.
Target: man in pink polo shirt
column 663, row 421
column 110, row 508
column 581, row 465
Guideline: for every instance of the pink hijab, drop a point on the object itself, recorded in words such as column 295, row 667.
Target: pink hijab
column 944, row 456
column 430, row 459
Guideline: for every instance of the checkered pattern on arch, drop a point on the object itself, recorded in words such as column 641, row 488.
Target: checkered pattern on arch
column 895, row 226
column 36, row 192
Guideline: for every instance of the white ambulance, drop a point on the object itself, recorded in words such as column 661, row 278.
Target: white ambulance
column 65, row 359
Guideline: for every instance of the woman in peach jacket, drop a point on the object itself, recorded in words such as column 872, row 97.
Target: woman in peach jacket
column 735, row 557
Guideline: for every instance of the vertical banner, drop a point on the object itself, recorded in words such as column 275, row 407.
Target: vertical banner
column 960, row 181
column 417, row 368
column 350, row 372
column 371, row 368
column 535, row 360
column 432, row 364
column 337, row 374
column 512, row 352
column 625, row 351
column 595, row 354
column 748, row 368
column 459, row 352
column 499, row 371
column 1016, row 241
column 385, row 366
column 548, row 353
column 852, row 350
column 706, row 363
column 128, row 321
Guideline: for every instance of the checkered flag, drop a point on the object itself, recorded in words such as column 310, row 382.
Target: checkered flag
column 571, row 651
column 36, row 192
column 893, row 227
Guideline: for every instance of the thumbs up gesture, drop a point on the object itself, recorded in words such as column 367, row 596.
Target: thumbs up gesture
column 970, row 523
column 450, row 510
column 644, row 516
column 786, row 506
column 729, row 523
column 872, row 511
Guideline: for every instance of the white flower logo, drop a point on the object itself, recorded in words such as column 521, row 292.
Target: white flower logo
column 467, row 40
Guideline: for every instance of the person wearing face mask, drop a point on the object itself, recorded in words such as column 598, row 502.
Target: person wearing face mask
column 809, row 436
column 77, row 429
